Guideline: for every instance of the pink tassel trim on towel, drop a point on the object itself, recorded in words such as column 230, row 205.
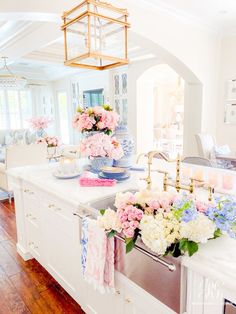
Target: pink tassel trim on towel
column 87, row 182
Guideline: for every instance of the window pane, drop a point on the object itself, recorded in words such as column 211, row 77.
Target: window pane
column 14, row 109
column 3, row 111
column 26, row 108
column 63, row 117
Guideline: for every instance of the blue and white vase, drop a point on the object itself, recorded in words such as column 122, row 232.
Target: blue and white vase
column 40, row 133
column 99, row 162
column 127, row 143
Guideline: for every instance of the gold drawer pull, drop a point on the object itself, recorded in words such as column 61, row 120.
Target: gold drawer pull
column 118, row 292
column 51, row 206
column 127, row 300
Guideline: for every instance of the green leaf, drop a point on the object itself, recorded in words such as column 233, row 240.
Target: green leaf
column 102, row 211
column 111, row 234
column 188, row 246
column 129, row 245
column 217, row 233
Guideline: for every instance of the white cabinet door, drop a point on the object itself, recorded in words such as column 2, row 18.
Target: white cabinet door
column 61, row 238
column 97, row 303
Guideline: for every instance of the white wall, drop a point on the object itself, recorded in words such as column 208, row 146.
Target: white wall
column 87, row 80
column 226, row 133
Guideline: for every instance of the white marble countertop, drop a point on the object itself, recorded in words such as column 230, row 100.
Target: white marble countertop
column 216, row 259
column 70, row 190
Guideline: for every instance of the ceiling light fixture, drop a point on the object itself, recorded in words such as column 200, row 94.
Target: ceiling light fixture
column 95, row 35
column 10, row 80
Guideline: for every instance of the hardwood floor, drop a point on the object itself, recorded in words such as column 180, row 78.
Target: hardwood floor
column 26, row 287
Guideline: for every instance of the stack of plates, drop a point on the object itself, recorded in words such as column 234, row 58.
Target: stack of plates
column 119, row 174
column 60, row 175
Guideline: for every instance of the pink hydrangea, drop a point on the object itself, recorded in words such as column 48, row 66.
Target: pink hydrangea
column 101, row 145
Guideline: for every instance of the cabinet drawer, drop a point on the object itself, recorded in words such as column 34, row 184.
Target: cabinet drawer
column 59, row 214
column 29, row 192
column 33, row 237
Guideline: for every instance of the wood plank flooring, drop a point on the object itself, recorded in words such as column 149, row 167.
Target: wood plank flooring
column 26, row 287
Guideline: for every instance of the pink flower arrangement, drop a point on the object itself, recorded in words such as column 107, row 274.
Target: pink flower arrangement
column 99, row 118
column 39, row 123
column 101, row 145
column 51, row 141
column 130, row 217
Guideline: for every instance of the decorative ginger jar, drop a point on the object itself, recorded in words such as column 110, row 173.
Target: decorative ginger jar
column 127, row 143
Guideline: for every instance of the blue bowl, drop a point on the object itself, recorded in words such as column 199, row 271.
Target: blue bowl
column 113, row 172
column 123, row 177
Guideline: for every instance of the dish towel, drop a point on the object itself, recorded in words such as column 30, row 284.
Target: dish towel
column 97, row 257
column 84, row 243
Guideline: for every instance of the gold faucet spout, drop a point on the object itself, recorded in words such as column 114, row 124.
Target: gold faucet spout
column 139, row 157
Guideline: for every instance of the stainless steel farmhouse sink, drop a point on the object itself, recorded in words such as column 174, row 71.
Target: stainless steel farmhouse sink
column 144, row 268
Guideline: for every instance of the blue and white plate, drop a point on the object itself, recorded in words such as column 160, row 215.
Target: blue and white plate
column 59, row 175
column 124, row 177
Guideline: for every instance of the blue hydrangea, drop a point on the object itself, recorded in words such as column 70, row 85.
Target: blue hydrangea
column 185, row 209
column 223, row 213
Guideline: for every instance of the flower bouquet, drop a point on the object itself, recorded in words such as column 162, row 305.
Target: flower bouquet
column 102, row 149
column 169, row 224
column 99, row 118
column 52, row 144
column 51, row 141
column 39, row 124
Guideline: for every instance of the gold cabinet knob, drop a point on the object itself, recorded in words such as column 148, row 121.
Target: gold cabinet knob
column 127, row 300
column 118, row 292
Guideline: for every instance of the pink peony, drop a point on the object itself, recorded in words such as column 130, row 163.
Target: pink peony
column 201, row 206
column 99, row 118
column 154, row 204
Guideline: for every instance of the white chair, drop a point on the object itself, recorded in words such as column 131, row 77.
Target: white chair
column 19, row 156
column 198, row 161
column 206, row 144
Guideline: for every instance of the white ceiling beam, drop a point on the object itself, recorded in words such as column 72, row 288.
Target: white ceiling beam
column 32, row 40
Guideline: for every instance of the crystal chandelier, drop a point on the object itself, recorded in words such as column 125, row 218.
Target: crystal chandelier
column 10, row 80
column 95, row 35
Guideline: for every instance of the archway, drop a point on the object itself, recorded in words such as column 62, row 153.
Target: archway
column 193, row 98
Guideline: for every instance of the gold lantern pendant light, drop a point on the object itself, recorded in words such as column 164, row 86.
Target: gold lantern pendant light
column 95, row 35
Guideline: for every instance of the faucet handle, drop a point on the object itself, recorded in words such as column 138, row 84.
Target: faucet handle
column 148, row 181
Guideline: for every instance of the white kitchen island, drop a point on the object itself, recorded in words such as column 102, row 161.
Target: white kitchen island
column 48, row 231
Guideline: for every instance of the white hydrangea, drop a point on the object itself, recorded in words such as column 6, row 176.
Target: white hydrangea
column 123, row 198
column 152, row 234
column 109, row 221
column 198, row 230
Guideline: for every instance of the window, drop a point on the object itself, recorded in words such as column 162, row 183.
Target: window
column 15, row 109
column 93, row 98
column 63, row 117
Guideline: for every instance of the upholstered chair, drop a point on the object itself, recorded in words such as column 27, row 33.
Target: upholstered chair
column 18, row 156
column 206, row 144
